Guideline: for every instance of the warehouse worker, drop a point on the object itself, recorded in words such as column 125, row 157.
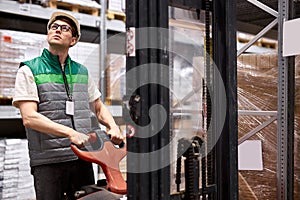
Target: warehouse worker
column 56, row 95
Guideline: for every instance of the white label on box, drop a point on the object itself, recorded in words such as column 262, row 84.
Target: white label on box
column 291, row 42
column 250, row 155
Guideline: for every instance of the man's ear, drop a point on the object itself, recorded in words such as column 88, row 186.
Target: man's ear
column 73, row 42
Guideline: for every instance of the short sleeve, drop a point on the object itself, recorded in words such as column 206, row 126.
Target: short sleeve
column 25, row 87
column 93, row 90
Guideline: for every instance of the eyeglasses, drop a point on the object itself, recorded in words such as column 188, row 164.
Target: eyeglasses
column 63, row 28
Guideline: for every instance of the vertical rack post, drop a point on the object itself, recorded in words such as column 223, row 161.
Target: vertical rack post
column 103, row 49
column 285, row 112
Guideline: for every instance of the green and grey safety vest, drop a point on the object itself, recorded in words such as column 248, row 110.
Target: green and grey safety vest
column 51, row 85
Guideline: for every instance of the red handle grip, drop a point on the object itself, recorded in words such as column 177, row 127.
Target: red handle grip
column 108, row 158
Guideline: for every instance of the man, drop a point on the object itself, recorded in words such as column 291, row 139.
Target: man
column 55, row 96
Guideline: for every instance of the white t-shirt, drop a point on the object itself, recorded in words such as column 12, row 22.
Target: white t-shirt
column 26, row 88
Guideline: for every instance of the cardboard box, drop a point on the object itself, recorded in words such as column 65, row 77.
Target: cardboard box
column 257, row 90
column 115, row 77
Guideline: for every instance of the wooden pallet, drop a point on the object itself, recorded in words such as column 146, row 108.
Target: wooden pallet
column 262, row 42
column 110, row 101
column 5, row 100
column 115, row 15
column 73, row 7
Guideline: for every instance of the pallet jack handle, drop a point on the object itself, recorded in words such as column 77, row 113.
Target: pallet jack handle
column 108, row 157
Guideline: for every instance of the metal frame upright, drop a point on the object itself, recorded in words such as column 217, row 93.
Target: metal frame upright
column 224, row 57
column 285, row 110
column 103, row 48
column 146, row 22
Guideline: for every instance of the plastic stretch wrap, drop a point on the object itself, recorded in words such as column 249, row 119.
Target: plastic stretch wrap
column 15, row 47
column 257, row 90
column 115, row 77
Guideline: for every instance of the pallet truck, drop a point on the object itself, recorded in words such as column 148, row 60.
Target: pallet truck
column 108, row 156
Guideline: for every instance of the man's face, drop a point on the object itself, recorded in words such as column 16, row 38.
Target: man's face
column 60, row 34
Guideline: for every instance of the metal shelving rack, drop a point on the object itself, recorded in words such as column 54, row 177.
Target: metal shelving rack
column 285, row 102
column 37, row 12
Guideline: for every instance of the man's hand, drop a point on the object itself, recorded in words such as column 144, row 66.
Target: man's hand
column 115, row 135
column 79, row 139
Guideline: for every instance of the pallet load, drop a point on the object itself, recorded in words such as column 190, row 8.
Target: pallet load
column 257, row 90
column 116, row 10
column 115, row 78
column 89, row 7
column 13, row 49
column 16, row 181
column 80, row 6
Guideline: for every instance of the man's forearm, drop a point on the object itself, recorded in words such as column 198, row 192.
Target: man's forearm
column 105, row 118
column 34, row 120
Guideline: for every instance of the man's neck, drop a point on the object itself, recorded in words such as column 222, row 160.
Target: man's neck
column 61, row 53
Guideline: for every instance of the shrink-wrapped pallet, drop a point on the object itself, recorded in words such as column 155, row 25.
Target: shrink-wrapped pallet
column 115, row 78
column 257, row 90
column 14, row 48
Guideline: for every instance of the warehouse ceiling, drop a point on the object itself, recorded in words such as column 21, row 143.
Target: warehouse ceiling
column 251, row 19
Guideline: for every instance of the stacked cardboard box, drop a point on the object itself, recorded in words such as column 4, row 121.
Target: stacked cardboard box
column 16, row 182
column 15, row 47
column 257, row 90
column 115, row 78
